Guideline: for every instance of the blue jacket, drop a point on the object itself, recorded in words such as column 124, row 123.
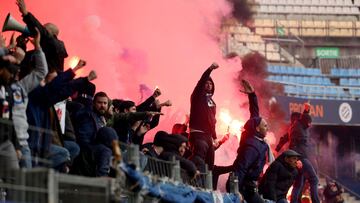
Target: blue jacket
column 252, row 151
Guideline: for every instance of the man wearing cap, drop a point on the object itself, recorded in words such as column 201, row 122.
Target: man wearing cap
column 279, row 177
column 299, row 142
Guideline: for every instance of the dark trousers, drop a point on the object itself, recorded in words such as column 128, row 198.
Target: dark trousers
column 203, row 151
column 307, row 172
column 219, row 170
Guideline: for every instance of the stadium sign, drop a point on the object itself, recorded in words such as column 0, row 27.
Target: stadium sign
column 323, row 112
column 327, row 52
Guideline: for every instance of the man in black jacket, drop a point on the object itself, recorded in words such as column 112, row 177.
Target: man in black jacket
column 279, row 177
column 53, row 48
column 299, row 142
column 202, row 121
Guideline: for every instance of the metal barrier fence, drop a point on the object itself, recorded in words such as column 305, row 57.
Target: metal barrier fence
column 40, row 185
column 45, row 185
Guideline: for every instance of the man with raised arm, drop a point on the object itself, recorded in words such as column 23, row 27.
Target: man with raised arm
column 252, row 151
column 202, row 121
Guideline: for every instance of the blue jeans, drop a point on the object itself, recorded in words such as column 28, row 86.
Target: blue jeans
column 73, row 149
column 307, row 172
column 58, row 155
column 25, row 161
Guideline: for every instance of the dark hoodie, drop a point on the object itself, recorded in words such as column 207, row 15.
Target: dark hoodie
column 203, row 107
column 172, row 149
column 299, row 135
column 278, row 179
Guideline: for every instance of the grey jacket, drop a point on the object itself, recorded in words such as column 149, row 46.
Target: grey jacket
column 21, row 90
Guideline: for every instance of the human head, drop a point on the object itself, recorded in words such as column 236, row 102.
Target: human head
column 8, row 71
column 52, row 29
column 209, row 86
column 19, row 54
column 127, row 106
column 262, row 128
column 117, row 105
column 291, row 157
column 100, row 103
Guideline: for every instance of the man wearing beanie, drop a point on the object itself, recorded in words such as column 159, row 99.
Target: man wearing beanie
column 157, row 147
column 299, row 142
column 202, row 121
column 252, row 150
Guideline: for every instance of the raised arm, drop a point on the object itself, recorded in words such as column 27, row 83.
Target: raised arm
column 199, row 88
column 32, row 80
column 253, row 102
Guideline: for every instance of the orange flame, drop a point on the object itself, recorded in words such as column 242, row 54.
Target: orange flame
column 73, row 61
column 228, row 124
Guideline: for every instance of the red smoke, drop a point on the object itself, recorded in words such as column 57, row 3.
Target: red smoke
column 157, row 43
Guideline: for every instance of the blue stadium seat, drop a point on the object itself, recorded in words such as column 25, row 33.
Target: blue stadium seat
column 358, row 72
column 292, row 79
column 270, row 69
column 326, row 81
column 335, row 72
column 316, row 71
column 284, row 70
column 344, row 81
column 284, row 78
column 297, row 70
column 318, row 80
column 344, row 72
column 290, row 70
column 353, row 82
column 277, row 78
column 306, row 80
column 299, row 80
column 352, row 72
column 271, row 77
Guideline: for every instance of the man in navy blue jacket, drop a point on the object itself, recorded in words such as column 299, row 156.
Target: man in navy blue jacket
column 252, row 151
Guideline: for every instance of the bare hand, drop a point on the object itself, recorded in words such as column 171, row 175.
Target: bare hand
column 79, row 65
column 12, row 43
column 9, row 58
column 248, row 88
column 143, row 129
column 216, row 143
column 36, row 40
column 22, row 7
column 156, row 93
column 92, row 75
column 18, row 154
column 167, row 103
column 307, row 106
column 214, row 66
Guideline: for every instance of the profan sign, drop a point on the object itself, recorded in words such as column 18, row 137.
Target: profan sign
column 323, row 112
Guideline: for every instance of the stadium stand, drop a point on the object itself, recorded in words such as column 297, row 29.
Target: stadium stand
column 312, row 48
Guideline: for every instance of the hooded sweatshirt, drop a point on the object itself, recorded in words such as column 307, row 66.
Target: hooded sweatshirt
column 203, row 107
column 173, row 143
column 21, row 90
